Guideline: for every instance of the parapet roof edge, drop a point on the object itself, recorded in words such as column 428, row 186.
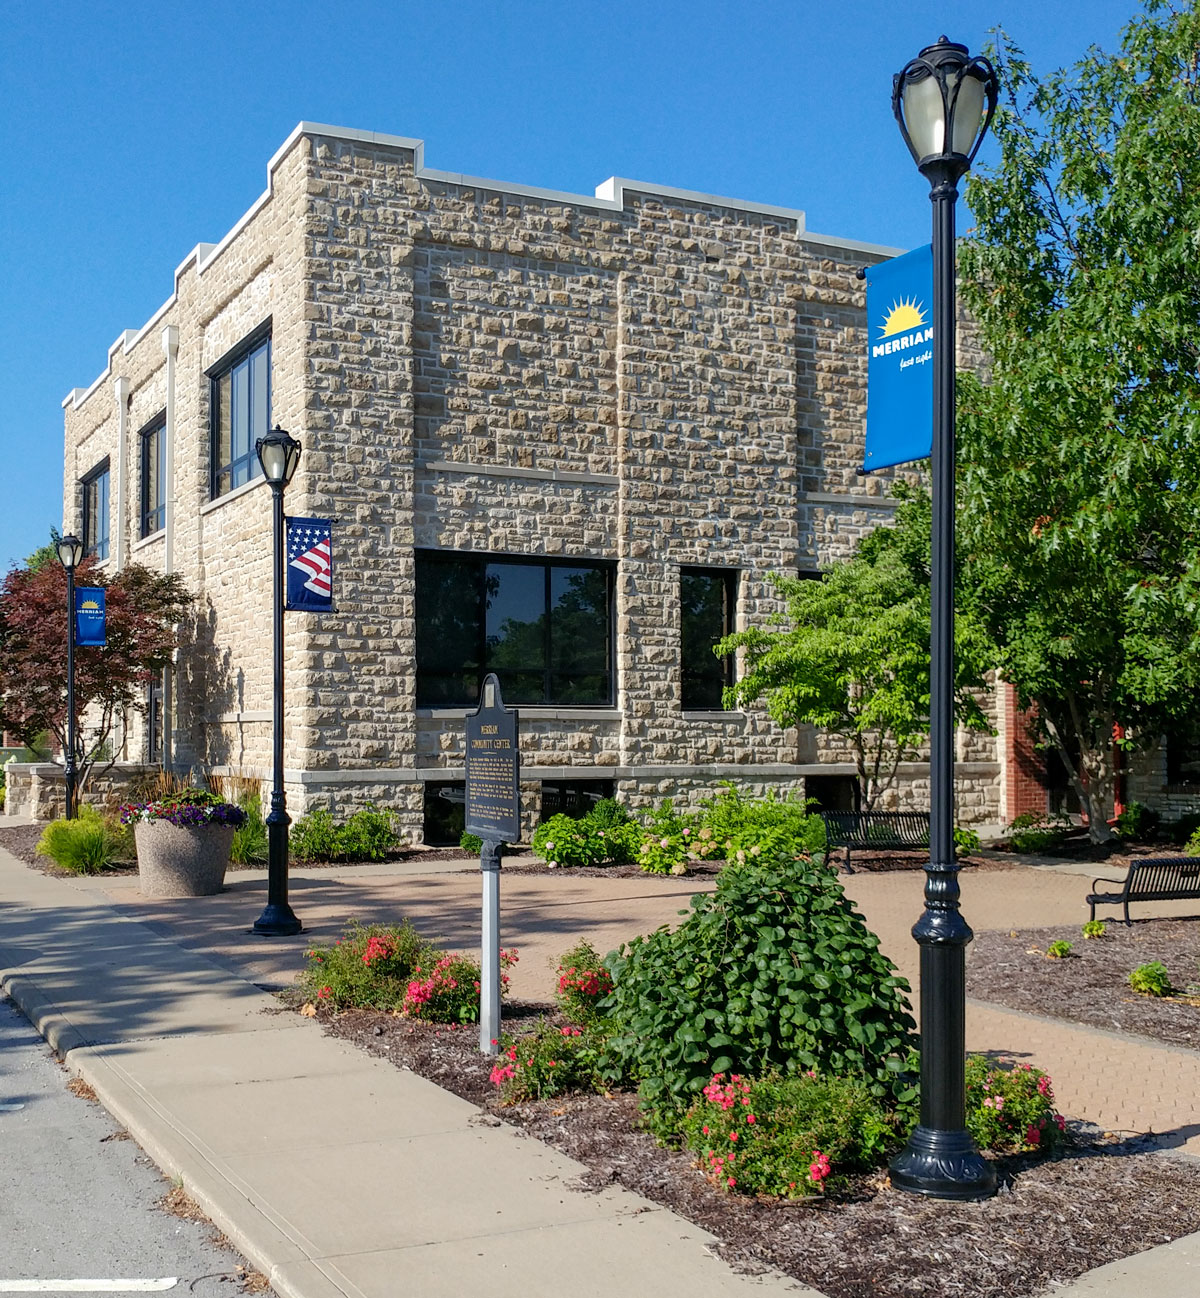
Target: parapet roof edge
column 609, row 196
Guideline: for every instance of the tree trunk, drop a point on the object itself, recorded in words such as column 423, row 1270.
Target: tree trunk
column 1093, row 779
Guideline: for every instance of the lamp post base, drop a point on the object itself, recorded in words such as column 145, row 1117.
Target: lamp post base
column 277, row 921
column 943, row 1165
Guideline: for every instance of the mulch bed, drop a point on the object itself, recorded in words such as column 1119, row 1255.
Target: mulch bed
column 1052, row 1220
column 1091, row 985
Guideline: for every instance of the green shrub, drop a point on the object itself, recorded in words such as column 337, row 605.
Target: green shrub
column 608, row 813
column 1093, row 928
column 1010, row 1109
column 446, row 988
column 551, row 1060
column 314, row 837
column 471, row 843
column 88, row 844
column 965, row 840
column 1058, row 950
column 739, row 822
column 368, row 968
column 787, row 1136
column 563, row 841
column 1151, row 979
column 1192, row 847
column 250, row 837
column 583, row 982
column 1036, row 832
column 368, row 835
column 774, row 971
column 665, row 854
column 1137, row 822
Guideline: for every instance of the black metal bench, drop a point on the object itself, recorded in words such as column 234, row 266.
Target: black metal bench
column 876, row 831
column 1151, row 878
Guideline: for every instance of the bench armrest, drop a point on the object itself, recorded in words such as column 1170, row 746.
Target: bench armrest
column 1104, row 880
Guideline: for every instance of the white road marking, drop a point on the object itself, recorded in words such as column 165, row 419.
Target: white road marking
column 88, row 1286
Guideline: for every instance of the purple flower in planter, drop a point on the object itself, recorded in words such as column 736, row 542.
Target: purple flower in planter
column 192, row 807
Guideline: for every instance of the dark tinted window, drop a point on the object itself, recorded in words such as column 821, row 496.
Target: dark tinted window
column 154, row 479
column 241, row 414
column 543, row 627
column 707, row 603
column 95, row 512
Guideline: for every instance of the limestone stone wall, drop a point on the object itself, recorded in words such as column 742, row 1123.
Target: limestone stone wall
column 654, row 379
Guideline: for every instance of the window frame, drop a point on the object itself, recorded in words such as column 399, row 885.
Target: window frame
column 480, row 561
column 102, row 546
column 730, row 579
column 157, row 427
column 243, row 353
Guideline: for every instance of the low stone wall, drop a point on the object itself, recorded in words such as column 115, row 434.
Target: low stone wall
column 38, row 789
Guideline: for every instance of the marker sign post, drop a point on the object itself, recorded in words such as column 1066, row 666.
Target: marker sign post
column 494, row 813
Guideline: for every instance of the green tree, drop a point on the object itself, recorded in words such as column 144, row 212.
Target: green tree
column 142, row 610
column 1080, row 448
column 853, row 657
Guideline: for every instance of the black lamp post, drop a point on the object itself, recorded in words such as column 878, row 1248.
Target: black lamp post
column 278, row 453
column 944, row 100
column 70, row 552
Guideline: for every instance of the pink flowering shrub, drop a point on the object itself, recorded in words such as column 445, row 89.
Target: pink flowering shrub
column 367, row 967
column 583, row 982
column 787, row 1136
column 445, row 989
column 1011, row 1108
column 551, row 1060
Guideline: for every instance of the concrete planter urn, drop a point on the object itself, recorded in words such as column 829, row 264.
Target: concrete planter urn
column 182, row 860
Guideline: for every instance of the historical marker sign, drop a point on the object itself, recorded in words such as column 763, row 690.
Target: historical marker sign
column 493, row 768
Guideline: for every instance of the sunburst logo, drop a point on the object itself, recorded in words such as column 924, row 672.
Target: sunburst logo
column 90, row 606
column 906, row 314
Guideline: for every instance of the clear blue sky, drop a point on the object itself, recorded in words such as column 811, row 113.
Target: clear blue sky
column 135, row 131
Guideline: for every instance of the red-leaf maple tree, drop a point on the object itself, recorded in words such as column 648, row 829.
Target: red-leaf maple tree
column 143, row 610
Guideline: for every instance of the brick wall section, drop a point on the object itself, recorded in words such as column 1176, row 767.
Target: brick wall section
column 1024, row 787
column 678, row 382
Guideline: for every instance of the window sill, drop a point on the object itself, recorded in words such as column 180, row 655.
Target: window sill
column 142, row 542
column 712, row 714
column 528, row 713
column 237, row 492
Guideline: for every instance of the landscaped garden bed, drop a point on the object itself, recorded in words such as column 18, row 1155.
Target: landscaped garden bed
column 1090, row 982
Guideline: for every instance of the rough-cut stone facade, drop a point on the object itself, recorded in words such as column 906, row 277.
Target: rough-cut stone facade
column 652, row 378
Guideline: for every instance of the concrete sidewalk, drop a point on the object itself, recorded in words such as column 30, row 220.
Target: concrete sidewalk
column 338, row 1174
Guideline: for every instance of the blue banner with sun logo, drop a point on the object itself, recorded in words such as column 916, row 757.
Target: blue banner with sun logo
column 900, row 360
column 89, row 615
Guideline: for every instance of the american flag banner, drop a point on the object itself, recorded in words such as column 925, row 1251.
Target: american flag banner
column 309, row 564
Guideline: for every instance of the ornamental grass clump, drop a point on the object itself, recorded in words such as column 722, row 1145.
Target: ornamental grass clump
column 788, row 1136
column 774, row 971
column 88, row 844
column 189, row 808
column 1011, row 1108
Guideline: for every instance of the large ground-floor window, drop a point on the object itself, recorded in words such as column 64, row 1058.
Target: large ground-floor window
column 544, row 626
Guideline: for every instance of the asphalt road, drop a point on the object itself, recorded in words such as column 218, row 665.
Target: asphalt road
column 77, row 1196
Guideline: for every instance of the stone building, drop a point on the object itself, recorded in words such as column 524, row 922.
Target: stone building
column 563, row 438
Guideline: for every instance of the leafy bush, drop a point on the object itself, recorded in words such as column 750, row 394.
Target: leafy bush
column 314, row 837
column 1151, row 979
column 740, row 822
column 88, row 844
column 787, row 1136
column 1037, row 832
column 1137, row 822
column 368, row 835
column 250, row 839
column 1192, row 847
column 965, row 840
column 1010, row 1109
column 667, row 854
column 367, row 967
column 775, row 970
column 563, row 841
column 1093, row 928
column 608, row 813
column 550, row 1061
column 1058, row 950
column 583, row 982
column 471, row 843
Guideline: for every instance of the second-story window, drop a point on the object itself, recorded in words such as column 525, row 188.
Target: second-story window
column 95, row 512
column 241, row 412
column 154, row 477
